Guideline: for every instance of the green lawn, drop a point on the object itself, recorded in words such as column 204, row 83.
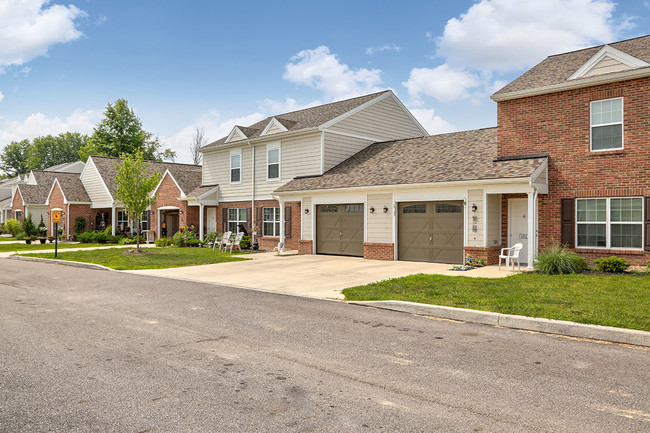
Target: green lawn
column 48, row 246
column 6, row 239
column 155, row 258
column 612, row 300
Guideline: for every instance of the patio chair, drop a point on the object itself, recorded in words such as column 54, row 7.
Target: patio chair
column 279, row 248
column 225, row 238
column 511, row 255
column 235, row 243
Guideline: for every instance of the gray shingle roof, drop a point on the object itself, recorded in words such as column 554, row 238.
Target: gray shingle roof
column 188, row 176
column 458, row 156
column 201, row 190
column 558, row 68
column 37, row 194
column 72, row 187
column 302, row 119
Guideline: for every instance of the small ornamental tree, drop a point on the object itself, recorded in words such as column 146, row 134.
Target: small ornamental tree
column 28, row 226
column 134, row 187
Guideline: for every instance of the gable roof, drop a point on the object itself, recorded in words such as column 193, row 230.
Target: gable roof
column 458, row 156
column 301, row 119
column 72, row 188
column 37, row 194
column 557, row 70
column 188, row 176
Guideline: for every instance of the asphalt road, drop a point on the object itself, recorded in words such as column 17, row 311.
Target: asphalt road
column 98, row 351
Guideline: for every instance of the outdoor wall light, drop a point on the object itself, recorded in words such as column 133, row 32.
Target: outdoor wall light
column 306, row 211
column 474, row 207
column 372, row 209
column 385, row 209
column 180, row 211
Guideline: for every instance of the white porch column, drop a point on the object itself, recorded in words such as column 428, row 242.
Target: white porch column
column 532, row 235
column 282, row 234
column 113, row 219
column 201, row 221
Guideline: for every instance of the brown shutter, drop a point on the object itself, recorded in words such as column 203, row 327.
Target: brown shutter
column 249, row 222
column 258, row 221
column 568, row 222
column 224, row 220
column 646, row 224
column 287, row 221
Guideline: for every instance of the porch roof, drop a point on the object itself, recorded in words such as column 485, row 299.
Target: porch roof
column 460, row 156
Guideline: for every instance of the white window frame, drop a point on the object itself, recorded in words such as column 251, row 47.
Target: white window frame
column 235, row 152
column 276, row 222
column 608, row 224
column 119, row 221
column 592, row 126
column 269, row 148
column 238, row 220
column 144, row 220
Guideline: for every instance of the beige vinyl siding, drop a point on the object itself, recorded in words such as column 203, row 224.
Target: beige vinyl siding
column 475, row 219
column 338, row 148
column 380, row 224
column 384, row 120
column 306, row 219
column 299, row 156
column 274, row 129
column 605, row 66
column 236, row 136
column 216, row 170
column 95, row 187
column 494, row 220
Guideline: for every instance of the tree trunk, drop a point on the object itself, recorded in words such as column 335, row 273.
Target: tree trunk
column 137, row 236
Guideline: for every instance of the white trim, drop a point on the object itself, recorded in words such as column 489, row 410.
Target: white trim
column 255, row 140
column 168, row 208
column 622, row 123
column 322, row 152
column 275, row 122
column 274, row 146
column 208, row 192
column 56, row 182
column 408, row 112
column 347, row 134
column 232, row 132
column 608, row 51
column 167, row 172
column 90, row 159
column 239, row 152
column 355, row 110
column 608, row 224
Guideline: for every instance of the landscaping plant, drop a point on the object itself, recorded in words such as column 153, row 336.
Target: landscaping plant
column 164, row 242
column 79, row 225
column 613, row 264
column 42, row 230
column 28, row 226
column 13, row 226
column 557, row 260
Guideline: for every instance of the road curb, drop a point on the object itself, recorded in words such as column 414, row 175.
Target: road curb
column 548, row 326
column 63, row 262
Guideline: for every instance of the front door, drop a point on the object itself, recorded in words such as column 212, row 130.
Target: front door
column 518, row 225
column 211, row 223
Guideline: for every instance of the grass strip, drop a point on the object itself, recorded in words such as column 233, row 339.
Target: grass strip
column 4, row 248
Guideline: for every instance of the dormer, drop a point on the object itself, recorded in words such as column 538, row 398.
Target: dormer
column 274, row 127
column 608, row 60
column 236, row 135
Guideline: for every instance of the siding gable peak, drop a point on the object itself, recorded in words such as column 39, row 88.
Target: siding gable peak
column 607, row 60
column 236, row 135
column 274, row 127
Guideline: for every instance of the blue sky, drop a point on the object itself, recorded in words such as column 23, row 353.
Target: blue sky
column 210, row 64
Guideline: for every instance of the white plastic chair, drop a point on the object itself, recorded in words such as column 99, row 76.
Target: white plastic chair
column 279, row 248
column 510, row 255
column 235, row 242
column 225, row 238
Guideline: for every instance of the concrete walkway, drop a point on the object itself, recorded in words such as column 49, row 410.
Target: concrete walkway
column 311, row 275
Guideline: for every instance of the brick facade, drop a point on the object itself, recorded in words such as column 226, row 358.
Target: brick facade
column 17, row 205
column 559, row 124
column 305, row 246
column 490, row 255
column 378, row 251
column 168, row 194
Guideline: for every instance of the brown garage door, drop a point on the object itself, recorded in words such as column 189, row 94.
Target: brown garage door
column 339, row 229
column 431, row 231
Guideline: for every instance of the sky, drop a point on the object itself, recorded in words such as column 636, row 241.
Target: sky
column 184, row 65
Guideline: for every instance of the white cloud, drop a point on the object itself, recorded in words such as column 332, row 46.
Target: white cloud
column 442, row 83
column 432, row 123
column 323, row 70
column 384, row 47
column 505, row 35
column 30, row 27
column 101, row 20
column 272, row 107
column 1, row 96
column 39, row 124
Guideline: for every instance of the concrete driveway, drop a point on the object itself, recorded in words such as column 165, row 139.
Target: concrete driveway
column 310, row 275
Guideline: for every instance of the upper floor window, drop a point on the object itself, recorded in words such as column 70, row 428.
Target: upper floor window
column 273, row 162
column 610, row 222
column 235, row 166
column 607, row 124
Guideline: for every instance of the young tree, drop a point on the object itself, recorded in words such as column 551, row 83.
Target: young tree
column 119, row 133
column 198, row 141
column 14, row 158
column 134, row 186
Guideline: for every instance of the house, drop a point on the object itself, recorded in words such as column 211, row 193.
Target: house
column 568, row 163
column 241, row 170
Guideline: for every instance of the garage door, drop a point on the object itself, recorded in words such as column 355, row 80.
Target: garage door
column 431, row 231
column 339, row 229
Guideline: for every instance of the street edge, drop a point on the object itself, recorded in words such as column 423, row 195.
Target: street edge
column 62, row 262
column 547, row 326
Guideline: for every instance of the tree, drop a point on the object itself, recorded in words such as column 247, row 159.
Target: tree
column 49, row 151
column 14, row 158
column 134, row 187
column 121, row 133
column 198, row 141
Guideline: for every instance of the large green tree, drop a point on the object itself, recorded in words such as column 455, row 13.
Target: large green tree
column 121, row 133
column 134, row 186
column 15, row 158
column 54, row 150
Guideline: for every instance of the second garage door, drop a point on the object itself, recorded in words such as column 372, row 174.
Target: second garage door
column 339, row 229
column 431, row 231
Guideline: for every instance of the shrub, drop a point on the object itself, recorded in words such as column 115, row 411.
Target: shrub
column 125, row 241
column 558, row 260
column 183, row 235
column 164, row 242
column 245, row 242
column 612, row 264
column 193, row 243
column 13, row 226
column 79, row 225
column 210, row 237
column 42, row 230
column 28, row 226
column 87, row 237
column 20, row 236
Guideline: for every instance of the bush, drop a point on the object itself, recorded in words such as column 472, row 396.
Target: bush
column 245, row 242
column 558, row 260
column 20, row 236
column 13, row 226
column 164, row 242
column 193, row 243
column 28, row 226
column 183, row 235
column 87, row 237
column 42, row 229
column 210, row 237
column 612, row 264
column 79, row 225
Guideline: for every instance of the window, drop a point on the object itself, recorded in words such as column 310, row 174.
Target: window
column 330, row 208
column 235, row 166
column 122, row 220
column 415, row 208
column 448, row 208
column 353, row 208
column 273, row 162
column 610, row 222
column 271, row 221
column 607, row 124
column 236, row 216
column 144, row 221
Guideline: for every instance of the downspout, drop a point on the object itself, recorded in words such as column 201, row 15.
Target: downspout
column 252, row 192
column 68, row 221
column 532, row 216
